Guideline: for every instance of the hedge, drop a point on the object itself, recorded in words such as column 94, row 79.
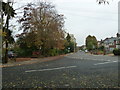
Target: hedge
column 116, row 51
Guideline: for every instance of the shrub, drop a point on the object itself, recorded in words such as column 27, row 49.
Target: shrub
column 100, row 52
column 53, row 52
column 23, row 52
column 116, row 51
column 101, row 48
column 65, row 51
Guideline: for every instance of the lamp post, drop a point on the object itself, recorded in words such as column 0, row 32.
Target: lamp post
column 74, row 44
column 118, row 40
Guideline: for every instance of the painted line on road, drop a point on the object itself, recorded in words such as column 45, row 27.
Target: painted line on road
column 95, row 59
column 50, row 69
column 106, row 62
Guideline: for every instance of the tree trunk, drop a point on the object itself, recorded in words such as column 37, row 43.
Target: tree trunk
column 6, row 53
column 6, row 42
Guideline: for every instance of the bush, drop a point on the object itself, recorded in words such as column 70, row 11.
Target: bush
column 100, row 52
column 53, row 52
column 101, row 48
column 23, row 52
column 116, row 51
column 65, row 51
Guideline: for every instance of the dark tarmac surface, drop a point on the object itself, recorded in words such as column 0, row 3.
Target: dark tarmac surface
column 82, row 71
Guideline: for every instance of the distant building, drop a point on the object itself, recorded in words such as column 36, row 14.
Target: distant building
column 110, row 43
column 100, row 43
column 83, row 47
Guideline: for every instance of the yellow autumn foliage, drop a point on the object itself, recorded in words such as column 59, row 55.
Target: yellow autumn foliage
column 2, row 33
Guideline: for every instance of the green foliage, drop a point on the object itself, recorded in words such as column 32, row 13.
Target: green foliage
column 7, row 12
column 116, row 51
column 43, row 28
column 103, row 1
column 23, row 52
column 101, row 48
column 68, row 38
column 101, row 52
column 53, row 52
column 7, row 9
column 91, row 43
column 44, row 31
column 9, row 36
column 69, row 45
column 65, row 51
column 90, row 46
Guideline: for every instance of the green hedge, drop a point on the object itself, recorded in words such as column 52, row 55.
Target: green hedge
column 23, row 52
column 116, row 51
column 53, row 52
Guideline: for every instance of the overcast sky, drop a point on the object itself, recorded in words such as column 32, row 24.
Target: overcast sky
column 86, row 17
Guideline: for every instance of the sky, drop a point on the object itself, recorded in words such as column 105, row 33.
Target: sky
column 86, row 17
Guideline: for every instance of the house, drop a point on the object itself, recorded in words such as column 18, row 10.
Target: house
column 110, row 43
column 100, row 43
column 83, row 47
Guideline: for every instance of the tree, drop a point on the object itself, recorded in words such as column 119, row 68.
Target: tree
column 10, row 39
column 68, row 37
column 103, row 1
column 43, row 21
column 23, row 48
column 91, row 42
column 8, row 12
column 69, row 45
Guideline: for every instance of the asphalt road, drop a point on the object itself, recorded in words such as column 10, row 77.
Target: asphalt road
column 78, row 70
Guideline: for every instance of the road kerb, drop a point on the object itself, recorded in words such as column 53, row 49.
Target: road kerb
column 39, row 60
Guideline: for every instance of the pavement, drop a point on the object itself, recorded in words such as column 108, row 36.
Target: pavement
column 31, row 61
column 76, row 70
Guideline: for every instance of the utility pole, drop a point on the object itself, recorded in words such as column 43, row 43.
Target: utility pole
column 1, row 32
column 74, row 44
column 118, row 40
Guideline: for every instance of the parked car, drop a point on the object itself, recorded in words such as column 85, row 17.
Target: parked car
column 11, row 54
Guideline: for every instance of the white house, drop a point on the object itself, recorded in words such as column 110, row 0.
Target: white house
column 110, row 43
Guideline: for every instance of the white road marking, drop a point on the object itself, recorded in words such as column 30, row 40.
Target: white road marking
column 51, row 69
column 95, row 59
column 115, row 61
column 106, row 62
